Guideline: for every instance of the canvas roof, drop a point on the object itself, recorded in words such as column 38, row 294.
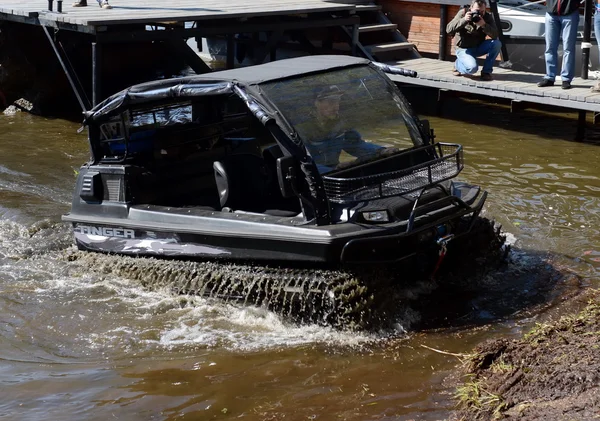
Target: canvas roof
column 220, row 82
column 282, row 69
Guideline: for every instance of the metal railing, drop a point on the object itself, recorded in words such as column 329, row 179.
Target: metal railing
column 437, row 162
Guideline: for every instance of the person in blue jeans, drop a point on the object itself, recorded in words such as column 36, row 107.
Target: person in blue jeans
column 596, row 87
column 475, row 35
column 562, row 19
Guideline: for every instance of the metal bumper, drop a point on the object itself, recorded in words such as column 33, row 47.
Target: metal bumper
column 420, row 235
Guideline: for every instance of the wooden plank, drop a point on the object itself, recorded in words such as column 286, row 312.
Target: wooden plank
column 367, row 7
column 433, row 64
column 131, row 11
column 446, row 2
column 474, row 89
column 507, row 84
column 389, row 46
column 377, row 27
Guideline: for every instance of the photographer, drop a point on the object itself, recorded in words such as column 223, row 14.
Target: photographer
column 471, row 26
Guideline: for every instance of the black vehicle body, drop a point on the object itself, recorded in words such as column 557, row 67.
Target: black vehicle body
column 219, row 166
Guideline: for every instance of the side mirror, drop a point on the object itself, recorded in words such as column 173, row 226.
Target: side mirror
column 427, row 131
column 286, row 176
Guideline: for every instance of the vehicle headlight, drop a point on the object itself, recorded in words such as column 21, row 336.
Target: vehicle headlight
column 376, row 216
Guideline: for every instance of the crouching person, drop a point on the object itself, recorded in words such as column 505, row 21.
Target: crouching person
column 470, row 27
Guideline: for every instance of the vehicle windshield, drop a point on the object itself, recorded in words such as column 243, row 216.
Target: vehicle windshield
column 346, row 116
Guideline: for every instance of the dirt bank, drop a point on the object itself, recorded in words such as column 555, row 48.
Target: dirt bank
column 552, row 373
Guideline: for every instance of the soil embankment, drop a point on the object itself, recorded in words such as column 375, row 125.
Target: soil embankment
column 552, row 373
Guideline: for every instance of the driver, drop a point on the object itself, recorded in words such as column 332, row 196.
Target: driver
column 327, row 136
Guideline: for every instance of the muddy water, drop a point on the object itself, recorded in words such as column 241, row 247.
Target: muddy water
column 77, row 344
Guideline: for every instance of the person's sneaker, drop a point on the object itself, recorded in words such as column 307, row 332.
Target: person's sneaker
column 545, row 82
column 486, row 76
column 80, row 3
column 596, row 87
column 104, row 4
column 566, row 84
column 456, row 72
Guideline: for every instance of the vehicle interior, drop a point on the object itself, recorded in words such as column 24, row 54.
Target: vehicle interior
column 209, row 152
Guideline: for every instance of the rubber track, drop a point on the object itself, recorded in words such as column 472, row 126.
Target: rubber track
column 349, row 299
column 330, row 297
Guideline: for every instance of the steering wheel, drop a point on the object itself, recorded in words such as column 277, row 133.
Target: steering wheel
column 382, row 153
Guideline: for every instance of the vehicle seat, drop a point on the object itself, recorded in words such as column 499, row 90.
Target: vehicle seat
column 288, row 205
column 244, row 183
column 241, row 181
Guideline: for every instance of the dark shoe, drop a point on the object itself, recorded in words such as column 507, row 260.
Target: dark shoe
column 545, row 82
column 80, row 3
column 486, row 76
column 566, row 84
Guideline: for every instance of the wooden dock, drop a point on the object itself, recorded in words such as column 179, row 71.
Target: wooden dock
column 172, row 23
column 124, row 12
column 507, row 84
column 131, row 21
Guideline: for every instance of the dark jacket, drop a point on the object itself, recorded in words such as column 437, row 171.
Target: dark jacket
column 469, row 35
column 561, row 7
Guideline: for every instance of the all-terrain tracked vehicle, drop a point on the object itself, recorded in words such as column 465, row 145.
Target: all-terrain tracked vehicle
column 311, row 161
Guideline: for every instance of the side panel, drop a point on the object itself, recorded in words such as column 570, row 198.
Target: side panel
column 121, row 240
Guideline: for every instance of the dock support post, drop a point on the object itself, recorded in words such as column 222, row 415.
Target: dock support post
column 585, row 43
column 50, row 2
column 96, row 73
column 494, row 10
column 440, row 101
column 581, row 120
column 78, row 90
column 443, row 33
column 230, row 63
column 354, row 39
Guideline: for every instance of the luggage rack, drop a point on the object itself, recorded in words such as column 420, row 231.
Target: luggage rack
column 446, row 163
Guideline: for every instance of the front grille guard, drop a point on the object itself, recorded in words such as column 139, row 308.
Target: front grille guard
column 460, row 210
column 447, row 163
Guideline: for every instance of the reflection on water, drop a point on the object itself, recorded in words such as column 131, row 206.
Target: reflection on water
column 78, row 344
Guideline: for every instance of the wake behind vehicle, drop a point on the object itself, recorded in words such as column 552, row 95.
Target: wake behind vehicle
column 311, row 161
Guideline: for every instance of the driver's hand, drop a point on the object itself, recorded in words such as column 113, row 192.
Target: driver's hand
column 343, row 165
column 480, row 22
column 388, row 151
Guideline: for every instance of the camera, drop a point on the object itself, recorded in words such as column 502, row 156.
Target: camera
column 475, row 17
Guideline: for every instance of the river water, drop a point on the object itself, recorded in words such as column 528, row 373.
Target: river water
column 78, row 344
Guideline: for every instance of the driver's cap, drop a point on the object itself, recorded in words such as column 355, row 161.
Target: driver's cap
column 331, row 91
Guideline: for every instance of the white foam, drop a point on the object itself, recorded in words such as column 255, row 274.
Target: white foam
column 180, row 321
column 511, row 239
column 251, row 328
